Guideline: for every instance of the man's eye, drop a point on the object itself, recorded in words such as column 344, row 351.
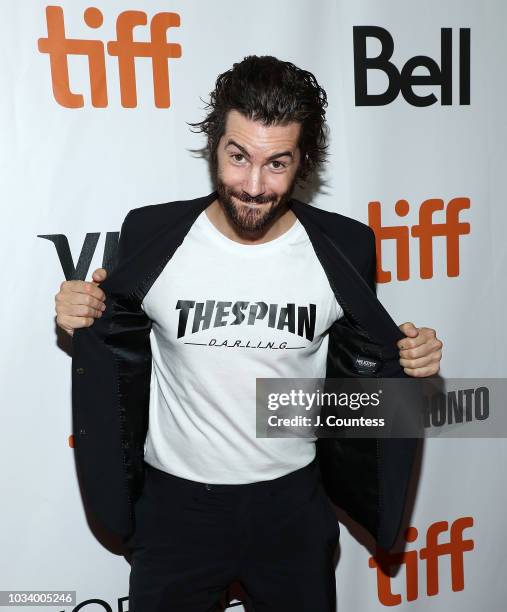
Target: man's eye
column 277, row 165
column 235, row 157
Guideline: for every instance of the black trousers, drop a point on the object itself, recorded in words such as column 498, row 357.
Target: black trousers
column 192, row 540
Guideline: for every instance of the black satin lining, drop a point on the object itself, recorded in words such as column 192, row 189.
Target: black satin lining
column 129, row 339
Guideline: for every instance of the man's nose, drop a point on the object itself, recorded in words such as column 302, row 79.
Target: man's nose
column 254, row 185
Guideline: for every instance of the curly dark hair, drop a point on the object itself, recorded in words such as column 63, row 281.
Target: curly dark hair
column 266, row 89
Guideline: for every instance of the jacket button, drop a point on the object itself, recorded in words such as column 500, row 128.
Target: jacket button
column 80, row 370
column 82, row 432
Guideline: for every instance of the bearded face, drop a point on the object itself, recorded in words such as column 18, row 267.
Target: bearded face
column 256, row 170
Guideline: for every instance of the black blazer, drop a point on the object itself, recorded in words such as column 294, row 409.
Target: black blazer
column 111, row 369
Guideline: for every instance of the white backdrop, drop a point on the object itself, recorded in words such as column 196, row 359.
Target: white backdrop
column 77, row 171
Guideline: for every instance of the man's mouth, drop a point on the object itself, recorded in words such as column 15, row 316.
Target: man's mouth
column 252, row 204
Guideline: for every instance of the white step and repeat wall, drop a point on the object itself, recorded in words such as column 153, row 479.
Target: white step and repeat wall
column 418, row 150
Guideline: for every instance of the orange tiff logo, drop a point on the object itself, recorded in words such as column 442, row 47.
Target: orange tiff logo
column 454, row 547
column 125, row 48
column 425, row 231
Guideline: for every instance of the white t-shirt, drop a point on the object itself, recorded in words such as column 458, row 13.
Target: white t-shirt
column 225, row 313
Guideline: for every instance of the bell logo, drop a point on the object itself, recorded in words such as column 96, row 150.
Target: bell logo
column 425, row 231
column 59, row 47
column 405, row 80
column 430, row 554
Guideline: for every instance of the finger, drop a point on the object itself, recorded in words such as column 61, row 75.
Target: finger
column 421, row 349
column 70, row 323
column 421, row 362
column 429, row 370
column 99, row 275
column 430, row 347
column 74, row 298
column 86, row 299
column 78, row 310
column 85, row 287
column 409, row 329
column 426, row 335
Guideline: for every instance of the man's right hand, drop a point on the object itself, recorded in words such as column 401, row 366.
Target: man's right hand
column 79, row 303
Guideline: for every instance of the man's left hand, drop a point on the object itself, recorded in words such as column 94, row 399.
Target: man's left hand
column 420, row 351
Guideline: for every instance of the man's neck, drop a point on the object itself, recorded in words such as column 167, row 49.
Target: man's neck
column 283, row 221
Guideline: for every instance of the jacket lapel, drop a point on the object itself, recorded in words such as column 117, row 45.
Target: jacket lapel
column 356, row 298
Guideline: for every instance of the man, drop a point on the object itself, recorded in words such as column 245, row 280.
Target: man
column 206, row 296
